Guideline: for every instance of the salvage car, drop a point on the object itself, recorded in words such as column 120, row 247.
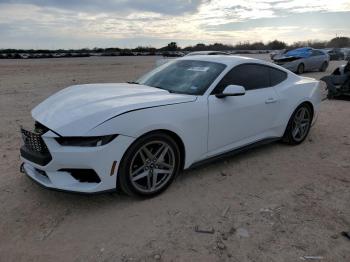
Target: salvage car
column 138, row 136
column 338, row 83
column 208, row 53
column 303, row 59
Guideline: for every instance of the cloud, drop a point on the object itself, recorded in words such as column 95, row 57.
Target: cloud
column 172, row 7
column 89, row 23
column 329, row 20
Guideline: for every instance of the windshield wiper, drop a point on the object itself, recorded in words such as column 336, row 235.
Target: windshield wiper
column 133, row 82
column 158, row 87
column 170, row 91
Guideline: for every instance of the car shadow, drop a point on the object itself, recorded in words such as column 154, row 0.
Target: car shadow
column 220, row 163
column 342, row 97
column 117, row 199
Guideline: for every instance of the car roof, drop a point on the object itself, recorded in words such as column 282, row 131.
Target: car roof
column 206, row 52
column 233, row 60
column 225, row 59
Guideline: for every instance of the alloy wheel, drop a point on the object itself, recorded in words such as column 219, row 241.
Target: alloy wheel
column 301, row 124
column 152, row 166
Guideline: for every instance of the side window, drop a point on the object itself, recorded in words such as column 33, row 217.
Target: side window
column 250, row 76
column 316, row 53
column 276, row 76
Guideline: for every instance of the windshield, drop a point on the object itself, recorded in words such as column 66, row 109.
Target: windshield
column 183, row 76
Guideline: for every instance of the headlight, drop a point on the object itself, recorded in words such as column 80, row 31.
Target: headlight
column 85, row 141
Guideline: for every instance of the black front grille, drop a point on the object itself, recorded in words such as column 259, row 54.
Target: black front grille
column 34, row 148
column 34, row 142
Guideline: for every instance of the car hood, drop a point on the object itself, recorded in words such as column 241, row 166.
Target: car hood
column 283, row 60
column 293, row 55
column 75, row 110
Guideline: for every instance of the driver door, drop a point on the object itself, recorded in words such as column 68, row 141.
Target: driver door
column 235, row 121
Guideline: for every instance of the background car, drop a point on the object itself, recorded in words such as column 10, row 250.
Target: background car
column 277, row 54
column 163, row 61
column 304, row 59
column 346, row 52
column 335, row 54
column 208, row 53
column 138, row 136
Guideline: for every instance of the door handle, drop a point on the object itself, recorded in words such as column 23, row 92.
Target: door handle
column 270, row 100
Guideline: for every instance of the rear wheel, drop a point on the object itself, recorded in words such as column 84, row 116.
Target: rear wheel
column 299, row 125
column 149, row 165
column 324, row 67
column 300, row 68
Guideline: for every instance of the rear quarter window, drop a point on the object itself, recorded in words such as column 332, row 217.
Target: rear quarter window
column 277, row 76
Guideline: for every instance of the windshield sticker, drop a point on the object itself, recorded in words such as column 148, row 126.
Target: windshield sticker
column 199, row 68
column 193, row 87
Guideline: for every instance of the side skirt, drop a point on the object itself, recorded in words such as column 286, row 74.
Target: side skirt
column 235, row 151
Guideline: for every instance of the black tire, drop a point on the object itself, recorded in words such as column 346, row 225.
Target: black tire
column 288, row 137
column 324, row 67
column 300, row 69
column 124, row 177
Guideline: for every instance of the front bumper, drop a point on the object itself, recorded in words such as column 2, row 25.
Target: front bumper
column 100, row 159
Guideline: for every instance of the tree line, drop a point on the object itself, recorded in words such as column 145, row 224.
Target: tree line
column 337, row 42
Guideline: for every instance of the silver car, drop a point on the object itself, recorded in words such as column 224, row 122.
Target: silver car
column 304, row 59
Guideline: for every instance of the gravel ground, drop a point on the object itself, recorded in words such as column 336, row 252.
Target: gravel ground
column 273, row 203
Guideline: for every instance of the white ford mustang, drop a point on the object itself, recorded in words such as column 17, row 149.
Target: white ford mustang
column 138, row 136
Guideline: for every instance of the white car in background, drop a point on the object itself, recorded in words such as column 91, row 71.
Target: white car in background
column 207, row 53
column 138, row 136
column 162, row 61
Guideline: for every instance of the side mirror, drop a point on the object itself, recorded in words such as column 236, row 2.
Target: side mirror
column 232, row 90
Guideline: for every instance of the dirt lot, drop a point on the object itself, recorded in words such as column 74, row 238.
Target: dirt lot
column 274, row 203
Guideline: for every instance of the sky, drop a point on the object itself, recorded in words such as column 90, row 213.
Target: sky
column 54, row 24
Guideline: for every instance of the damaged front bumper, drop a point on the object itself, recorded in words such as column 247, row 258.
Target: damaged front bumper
column 78, row 169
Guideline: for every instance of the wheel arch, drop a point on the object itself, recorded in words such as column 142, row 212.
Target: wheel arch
column 308, row 103
column 304, row 68
column 178, row 140
column 305, row 102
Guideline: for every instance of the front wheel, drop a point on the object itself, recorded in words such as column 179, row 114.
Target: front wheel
column 300, row 69
column 149, row 165
column 298, row 126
